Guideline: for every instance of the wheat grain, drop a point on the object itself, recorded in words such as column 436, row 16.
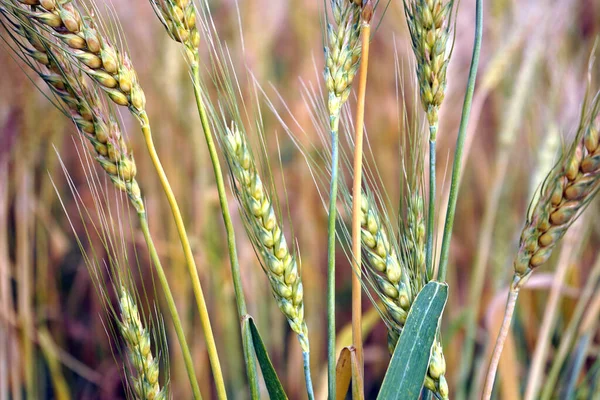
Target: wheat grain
column 145, row 383
column 265, row 231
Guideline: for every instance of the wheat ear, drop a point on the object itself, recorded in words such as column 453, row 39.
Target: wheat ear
column 114, row 73
column 342, row 56
column 265, row 231
column 90, row 116
column 179, row 19
column 429, row 23
column 137, row 338
column 397, row 279
column 279, row 264
column 97, row 57
column 566, row 191
column 83, row 106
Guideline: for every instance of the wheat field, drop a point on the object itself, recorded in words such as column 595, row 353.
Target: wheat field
column 299, row 199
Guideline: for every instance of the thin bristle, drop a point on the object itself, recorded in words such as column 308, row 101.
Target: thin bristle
column 266, row 233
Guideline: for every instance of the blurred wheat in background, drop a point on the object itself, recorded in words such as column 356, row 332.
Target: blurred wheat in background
column 186, row 209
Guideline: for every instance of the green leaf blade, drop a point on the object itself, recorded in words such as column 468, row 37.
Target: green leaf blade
column 408, row 366
column 274, row 386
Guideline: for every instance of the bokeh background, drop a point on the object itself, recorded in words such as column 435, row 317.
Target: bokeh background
column 532, row 79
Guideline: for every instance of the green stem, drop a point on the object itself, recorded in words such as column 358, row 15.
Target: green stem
column 189, row 258
column 307, row 377
column 331, row 356
column 460, row 143
column 431, row 211
column 233, row 258
column 187, row 356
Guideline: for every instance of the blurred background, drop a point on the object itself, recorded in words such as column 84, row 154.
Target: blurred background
column 531, row 83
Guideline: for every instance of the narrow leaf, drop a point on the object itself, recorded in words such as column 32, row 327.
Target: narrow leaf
column 406, row 372
column 272, row 382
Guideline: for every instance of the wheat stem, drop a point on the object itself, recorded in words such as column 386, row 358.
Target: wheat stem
column 187, row 357
column 233, row 258
column 331, row 356
column 431, row 206
column 189, row 257
column 511, row 302
column 307, row 377
column 356, row 191
column 460, row 142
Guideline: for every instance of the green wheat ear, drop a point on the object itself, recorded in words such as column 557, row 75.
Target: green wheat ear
column 137, row 338
column 265, row 231
column 429, row 23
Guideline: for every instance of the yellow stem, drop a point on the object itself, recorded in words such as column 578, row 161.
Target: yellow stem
column 356, row 200
column 189, row 258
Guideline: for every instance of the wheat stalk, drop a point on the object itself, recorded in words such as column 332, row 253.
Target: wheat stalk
column 342, row 57
column 266, row 233
column 137, row 338
column 429, row 23
column 566, row 191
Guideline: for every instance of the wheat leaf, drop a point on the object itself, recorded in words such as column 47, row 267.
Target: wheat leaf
column 406, row 372
column 272, row 382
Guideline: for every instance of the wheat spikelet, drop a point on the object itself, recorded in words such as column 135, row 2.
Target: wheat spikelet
column 83, row 106
column 429, row 23
column 567, row 189
column 145, row 383
column 94, row 53
column 179, row 19
column 397, row 279
column 266, row 233
column 342, row 57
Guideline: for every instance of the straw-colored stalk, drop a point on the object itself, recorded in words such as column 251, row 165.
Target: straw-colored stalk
column 367, row 15
column 566, row 191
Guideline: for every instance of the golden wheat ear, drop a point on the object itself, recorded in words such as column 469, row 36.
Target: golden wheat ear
column 566, row 191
